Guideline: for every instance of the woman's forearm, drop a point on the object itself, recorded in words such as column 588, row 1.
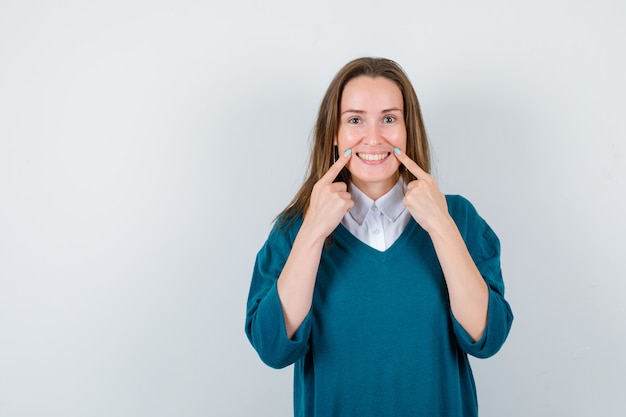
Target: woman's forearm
column 297, row 279
column 468, row 291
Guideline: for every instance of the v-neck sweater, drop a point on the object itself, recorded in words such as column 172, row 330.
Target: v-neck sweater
column 380, row 338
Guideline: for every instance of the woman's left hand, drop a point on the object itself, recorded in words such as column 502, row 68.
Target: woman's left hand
column 425, row 202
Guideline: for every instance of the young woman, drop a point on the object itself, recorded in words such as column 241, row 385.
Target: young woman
column 372, row 282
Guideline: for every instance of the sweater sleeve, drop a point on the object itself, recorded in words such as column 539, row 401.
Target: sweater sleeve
column 484, row 247
column 265, row 322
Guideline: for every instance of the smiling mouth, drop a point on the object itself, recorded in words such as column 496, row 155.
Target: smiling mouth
column 373, row 157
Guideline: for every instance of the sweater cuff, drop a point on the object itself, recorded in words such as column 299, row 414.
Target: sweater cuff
column 275, row 347
column 464, row 339
column 499, row 320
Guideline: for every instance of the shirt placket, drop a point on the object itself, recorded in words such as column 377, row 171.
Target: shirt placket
column 376, row 229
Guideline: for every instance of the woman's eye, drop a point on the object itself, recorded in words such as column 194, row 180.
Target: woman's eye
column 389, row 119
column 354, row 120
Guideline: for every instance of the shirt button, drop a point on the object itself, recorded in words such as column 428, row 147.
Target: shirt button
column 376, row 231
column 374, row 208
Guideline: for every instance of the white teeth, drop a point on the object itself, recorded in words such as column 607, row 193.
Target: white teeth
column 373, row 157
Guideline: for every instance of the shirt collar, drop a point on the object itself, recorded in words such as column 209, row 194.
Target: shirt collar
column 389, row 204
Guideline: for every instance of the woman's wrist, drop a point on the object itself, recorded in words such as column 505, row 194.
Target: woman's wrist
column 311, row 235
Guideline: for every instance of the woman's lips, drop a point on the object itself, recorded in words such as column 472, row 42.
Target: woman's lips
column 373, row 157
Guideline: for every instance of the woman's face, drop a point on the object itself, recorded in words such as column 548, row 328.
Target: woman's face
column 371, row 124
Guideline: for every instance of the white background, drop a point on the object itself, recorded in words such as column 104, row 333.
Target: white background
column 145, row 147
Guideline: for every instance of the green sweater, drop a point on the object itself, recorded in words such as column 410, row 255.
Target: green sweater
column 380, row 339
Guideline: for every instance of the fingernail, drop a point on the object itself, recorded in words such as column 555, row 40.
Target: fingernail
column 347, row 152
column 397, row 151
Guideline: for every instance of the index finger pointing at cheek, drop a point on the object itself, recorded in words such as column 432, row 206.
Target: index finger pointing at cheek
column 410, row 164
column 336, row 168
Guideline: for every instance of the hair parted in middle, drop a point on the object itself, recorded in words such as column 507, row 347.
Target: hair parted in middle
column 327, row 127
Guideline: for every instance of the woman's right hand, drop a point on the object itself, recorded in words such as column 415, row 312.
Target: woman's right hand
column 330, row 201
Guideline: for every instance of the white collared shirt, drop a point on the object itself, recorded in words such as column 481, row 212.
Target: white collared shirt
column 377, row 223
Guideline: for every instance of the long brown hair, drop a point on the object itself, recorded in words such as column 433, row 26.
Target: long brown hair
column 327, row 127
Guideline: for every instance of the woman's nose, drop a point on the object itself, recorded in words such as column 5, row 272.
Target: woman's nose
column 373, row 135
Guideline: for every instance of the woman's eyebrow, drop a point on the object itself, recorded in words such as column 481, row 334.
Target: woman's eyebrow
column 363, row 111
column 353, row 111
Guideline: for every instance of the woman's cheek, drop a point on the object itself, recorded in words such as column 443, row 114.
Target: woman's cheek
column 352, row 139
column 399, row 139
